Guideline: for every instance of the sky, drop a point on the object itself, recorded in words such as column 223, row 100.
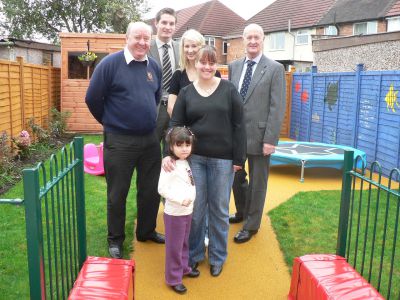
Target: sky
column 245, row 9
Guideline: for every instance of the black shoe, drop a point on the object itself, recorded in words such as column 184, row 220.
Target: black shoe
column 244, row 236
column 179, row 288
column 234, row 218
column 215, row 270
column 194, row 266
column 115, row 251
column 193, row 274
column 155, row 237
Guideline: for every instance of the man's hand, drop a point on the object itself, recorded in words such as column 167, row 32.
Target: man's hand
column 268, row 149
column 236, row 168
column 168, row 164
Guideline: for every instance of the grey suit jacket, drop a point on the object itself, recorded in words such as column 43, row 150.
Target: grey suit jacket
column 264, row 105
column 154, row 53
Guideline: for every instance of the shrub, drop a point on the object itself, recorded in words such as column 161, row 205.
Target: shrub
column 6, row 163
column 23, row 143
column 58, row 123
column 40, row 133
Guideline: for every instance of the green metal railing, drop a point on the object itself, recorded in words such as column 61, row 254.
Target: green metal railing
column 369, row 225
column 55, row 222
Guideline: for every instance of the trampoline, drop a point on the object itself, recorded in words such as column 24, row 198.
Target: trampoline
column 312, row 155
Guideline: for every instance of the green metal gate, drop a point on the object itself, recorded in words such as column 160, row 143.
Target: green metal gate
column 55, row 222
column 369, row 225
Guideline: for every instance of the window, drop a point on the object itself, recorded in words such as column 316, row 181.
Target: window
column 331, row 30
column 225, row 48
column 302, row 37
column 210, row 40
column 47, row 58
column 365, row 28
column 76, row 70
column 393, row 24
column 277, row 41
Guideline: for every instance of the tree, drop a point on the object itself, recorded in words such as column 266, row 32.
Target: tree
column 29, row 18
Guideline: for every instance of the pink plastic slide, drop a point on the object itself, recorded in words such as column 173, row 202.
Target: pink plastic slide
column 93, row 159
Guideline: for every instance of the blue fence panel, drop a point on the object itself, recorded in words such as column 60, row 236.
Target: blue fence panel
column 388, row 128
column 347, row 110
column 300, row 106
column 359, row 109
column 368, row 114
column 317, row 110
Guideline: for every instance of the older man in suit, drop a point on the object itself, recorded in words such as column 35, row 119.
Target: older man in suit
column 166, row 52
column 261, row 83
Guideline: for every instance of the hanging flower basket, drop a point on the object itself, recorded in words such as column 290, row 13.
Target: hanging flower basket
column 87, row 58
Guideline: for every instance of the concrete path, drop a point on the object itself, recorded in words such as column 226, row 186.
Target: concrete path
column 254, row 270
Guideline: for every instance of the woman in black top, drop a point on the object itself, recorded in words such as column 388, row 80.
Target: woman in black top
column 212, row 108
column 190, row 44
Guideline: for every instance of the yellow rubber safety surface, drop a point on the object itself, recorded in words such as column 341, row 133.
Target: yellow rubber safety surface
column 253, row 270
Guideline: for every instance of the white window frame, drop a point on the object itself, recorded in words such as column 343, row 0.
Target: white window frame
column 330, row 30
column 301, row 36
column 277, row 41
column 393, row 24
column 210, row 40
column 372, row 27
column 225, row 45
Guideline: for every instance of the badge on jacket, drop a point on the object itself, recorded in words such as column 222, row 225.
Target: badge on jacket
column 149, row 76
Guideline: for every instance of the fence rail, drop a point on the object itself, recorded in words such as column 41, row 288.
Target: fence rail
column 55, row 222
column 26, row 91
column 369, row 225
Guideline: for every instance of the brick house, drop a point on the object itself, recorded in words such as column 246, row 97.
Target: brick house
column 288, row 27
column 213, row 20
column 354, row 32
column 31, row 51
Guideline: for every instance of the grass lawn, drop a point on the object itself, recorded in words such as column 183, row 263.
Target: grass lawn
column 308, row 223
column 13, row 263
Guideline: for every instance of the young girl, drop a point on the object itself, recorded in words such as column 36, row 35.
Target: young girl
column 177, row 187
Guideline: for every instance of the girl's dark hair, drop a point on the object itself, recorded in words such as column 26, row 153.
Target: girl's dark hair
column 178, row 136
column 207, row 53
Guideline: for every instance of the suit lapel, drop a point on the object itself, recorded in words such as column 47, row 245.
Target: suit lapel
column 237, row 72
column 258, row 74
column 154, row 52
column 175, row 47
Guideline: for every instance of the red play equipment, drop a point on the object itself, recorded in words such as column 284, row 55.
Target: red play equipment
column 105, row 278
column 328, row 276
column 93, row 159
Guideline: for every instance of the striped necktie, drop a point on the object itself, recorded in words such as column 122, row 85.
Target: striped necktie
column 167, row 69
column 247, row 78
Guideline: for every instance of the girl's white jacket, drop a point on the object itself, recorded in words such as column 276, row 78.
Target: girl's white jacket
column 176, row 186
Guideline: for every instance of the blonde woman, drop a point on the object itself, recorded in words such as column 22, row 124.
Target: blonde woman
column 190, row 44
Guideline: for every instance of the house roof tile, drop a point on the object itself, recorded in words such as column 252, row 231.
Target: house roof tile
column 344, row 11
column 209, row 18
column 395, row 10
column 276, row 16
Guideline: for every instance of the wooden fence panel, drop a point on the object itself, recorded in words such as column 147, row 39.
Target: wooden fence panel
column 285, row 129
column 26, row 91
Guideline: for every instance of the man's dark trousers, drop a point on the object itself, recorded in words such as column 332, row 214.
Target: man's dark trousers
column 122, row 155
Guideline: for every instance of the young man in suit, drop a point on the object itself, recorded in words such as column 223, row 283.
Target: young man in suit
column 261, row 83
column 166, row 52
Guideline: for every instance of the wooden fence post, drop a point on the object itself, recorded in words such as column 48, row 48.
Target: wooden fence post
column 10, row 101
column 20, row 60
column 49, row 91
